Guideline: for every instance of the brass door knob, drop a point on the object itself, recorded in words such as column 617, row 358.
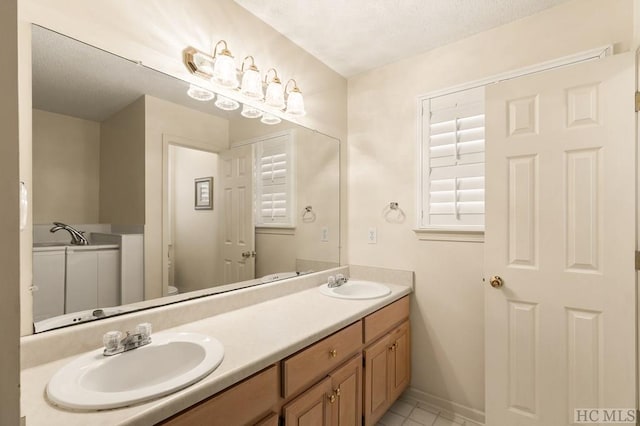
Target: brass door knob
column 333, row 353
column 496, row 282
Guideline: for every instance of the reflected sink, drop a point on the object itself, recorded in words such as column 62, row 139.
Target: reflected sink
column 356, row 289
column 172, row 361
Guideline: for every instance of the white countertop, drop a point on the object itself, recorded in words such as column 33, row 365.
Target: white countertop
column 254, row 337
column 38, row 247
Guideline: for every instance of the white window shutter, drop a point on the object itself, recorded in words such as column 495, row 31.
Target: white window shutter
column 274, row 182
column 454, row 147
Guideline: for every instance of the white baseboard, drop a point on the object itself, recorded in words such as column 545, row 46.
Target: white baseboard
column 453, row 408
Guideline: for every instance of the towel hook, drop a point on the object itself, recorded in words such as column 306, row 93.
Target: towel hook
column 393, row 206
column 308, row 215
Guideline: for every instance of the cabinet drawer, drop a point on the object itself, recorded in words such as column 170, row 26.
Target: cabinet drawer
column 312, row 363
column 376, row 324
column 245, row 403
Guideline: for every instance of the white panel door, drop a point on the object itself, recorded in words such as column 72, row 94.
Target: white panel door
column 238, row 241
column 560, row 232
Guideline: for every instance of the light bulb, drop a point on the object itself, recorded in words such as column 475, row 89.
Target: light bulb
column 295, row 104
column 224, row 71
column 200, row 94
column 275, row 94
column 251, row 84
column 226, row 103
column 250, row 112
column 270, row 119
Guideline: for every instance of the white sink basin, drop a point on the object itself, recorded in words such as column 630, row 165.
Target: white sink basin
column 356, row 289
column 172, row 361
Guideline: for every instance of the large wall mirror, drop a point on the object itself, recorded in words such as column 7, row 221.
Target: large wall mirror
column 176, row 197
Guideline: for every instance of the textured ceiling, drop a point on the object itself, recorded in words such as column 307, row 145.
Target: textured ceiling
column 352, row 36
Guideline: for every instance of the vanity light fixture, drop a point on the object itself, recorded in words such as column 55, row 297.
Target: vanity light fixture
column 295, row 102
column 220, row 71
column 224, row 69
column 200, row 94
column 270, row 119
column 275, row 92
column 226, row 104
column 251, row 85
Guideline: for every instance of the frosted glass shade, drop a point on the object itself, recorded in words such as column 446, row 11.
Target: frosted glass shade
column 226, row 104
column 224, row 72
column 270, row 119
column 200, row 94
column 275, row 95
column 250, row 112
column 295, row 104
column 251, row 84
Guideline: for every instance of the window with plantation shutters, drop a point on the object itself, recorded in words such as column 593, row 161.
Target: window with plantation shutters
column 453, row 161
column 274, row 181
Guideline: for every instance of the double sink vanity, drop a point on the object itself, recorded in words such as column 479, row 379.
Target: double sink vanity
column 295, row 349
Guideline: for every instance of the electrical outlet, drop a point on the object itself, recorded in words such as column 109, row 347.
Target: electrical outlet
column 372, row 236
column 324, row 234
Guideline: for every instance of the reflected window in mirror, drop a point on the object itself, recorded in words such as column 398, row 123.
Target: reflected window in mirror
column 275, row 179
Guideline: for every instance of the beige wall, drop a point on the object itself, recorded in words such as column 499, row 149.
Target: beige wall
column 122, row 162
column 195, row 232
column 447, row 313
column 170, row 123
column 66, row 168
column 9, row 181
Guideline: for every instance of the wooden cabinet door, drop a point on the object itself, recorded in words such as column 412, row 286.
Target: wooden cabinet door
column 312, row 408
column 271, row 420
column 399, row 361
column 376, row 380
column 346, row 382
column 242, row 404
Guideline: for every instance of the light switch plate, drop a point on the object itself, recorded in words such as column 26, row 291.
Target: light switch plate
column 372, row 236
column 324, row 234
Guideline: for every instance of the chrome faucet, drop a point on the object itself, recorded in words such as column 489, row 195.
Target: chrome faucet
column 336, row 281
column 77, row 237
column 114, row 343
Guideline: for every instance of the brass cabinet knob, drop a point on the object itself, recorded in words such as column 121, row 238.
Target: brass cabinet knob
column 332, row 398
column 337, row 392
column 393, row 347
column 333, row 353
column 496, row 282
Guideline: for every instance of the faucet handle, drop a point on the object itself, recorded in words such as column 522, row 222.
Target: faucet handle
column 111, row 340
column 144, row 330
column 331, row 280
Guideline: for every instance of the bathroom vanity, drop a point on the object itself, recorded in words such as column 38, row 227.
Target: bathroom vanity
column 290, row 352
column 324, row 383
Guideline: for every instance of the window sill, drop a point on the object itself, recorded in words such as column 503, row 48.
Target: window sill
column 450, row 235
column 276, row 230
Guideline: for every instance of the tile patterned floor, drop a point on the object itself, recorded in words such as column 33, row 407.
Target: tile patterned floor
column 406, row 412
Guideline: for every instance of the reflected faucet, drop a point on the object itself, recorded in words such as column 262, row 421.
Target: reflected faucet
column 77, row 237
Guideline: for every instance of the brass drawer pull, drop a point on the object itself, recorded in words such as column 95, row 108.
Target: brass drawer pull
column 333, row 353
